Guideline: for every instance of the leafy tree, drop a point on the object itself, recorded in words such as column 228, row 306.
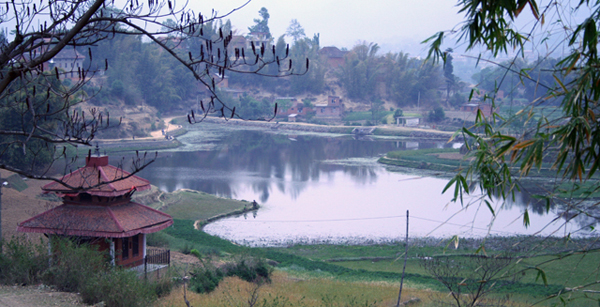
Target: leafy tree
column 314, row 80
column 295, row 30
column 436, row 115
column 261, row 25
column 28, row 89
column 359, row 73
column 398, row 113
column 252, row 108
column 565, row 141
column 31, row 155
column 376, row 106
column 451, row 80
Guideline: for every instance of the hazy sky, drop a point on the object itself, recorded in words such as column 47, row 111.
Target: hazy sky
column 396, row 25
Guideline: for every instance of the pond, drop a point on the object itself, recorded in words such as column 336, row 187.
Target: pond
column 330, row 188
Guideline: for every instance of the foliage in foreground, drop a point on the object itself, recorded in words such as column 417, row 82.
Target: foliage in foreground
column 76, row 269
column 207, row 277
column 183, row 229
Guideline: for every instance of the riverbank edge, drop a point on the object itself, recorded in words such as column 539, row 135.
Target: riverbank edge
column 141, row 144
column 448, row 170
column 403, row 132
column 199, row 224
column 149, row 144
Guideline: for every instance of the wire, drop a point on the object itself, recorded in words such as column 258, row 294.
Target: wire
column 374, row 218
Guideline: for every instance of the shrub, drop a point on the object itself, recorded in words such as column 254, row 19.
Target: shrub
column 22, row 262
column 163, row 286
column 77, row 268
column 249, row 269
column 196, row 253
column 81, row 268
column 205, row 279
column 73, row 265
column 186, row 249
column 117, row 287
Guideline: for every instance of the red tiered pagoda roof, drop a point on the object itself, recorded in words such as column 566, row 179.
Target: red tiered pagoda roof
column 107, row 210
column 97, row 170
column 117, row 221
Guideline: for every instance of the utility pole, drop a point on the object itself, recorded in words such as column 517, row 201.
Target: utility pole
column 1, row 185
column 405, row 258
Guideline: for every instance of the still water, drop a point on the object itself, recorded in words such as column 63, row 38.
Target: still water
column 329, row 188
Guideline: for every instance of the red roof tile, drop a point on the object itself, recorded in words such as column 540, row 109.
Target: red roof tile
column 116, row 221
column 97, row 170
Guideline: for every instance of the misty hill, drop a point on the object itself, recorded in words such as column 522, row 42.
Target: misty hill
column 141, row 82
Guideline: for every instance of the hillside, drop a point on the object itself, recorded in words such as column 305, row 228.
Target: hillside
column 19, row 206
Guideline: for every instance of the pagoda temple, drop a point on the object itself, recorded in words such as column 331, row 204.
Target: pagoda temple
column 101, row 214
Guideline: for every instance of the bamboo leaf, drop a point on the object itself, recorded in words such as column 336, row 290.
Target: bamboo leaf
column 490, row 207
column 449, row 184
column 523, row 144
column 541, row 274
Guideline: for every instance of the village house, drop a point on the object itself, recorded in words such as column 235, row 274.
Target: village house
column 297, row 107
column 237, row 42
column 407, row 121
column 259, row 39
column 333, row 56
column 333, row 109
column 70, row 61
column 485, row 108
column 104, row 215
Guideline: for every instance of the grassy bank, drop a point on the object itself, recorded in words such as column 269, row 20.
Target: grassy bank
column 192, row 205
column 372, row 268
column 449, row 161
column 313, row 263
column 425, row 159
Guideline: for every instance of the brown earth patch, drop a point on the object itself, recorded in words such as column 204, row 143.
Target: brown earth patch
column 20, row 206
column 450, row 155
column 37, row 296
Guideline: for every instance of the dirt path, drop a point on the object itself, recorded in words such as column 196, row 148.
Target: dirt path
column 37, row 296
column 169, row 127
column 154, row 135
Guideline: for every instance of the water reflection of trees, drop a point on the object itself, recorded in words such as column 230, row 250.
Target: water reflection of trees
column 527, row 199
column 266, row 161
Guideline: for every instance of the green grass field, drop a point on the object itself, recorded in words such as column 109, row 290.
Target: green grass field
column 192, row 205
column 368, row 275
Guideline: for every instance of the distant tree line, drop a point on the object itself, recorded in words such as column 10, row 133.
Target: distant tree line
column 367, row 76
column 520, row 81
column 141, row 72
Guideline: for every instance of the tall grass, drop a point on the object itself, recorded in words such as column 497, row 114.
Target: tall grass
column 289, row 290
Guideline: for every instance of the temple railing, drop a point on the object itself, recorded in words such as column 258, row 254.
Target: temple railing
column 156, row 259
